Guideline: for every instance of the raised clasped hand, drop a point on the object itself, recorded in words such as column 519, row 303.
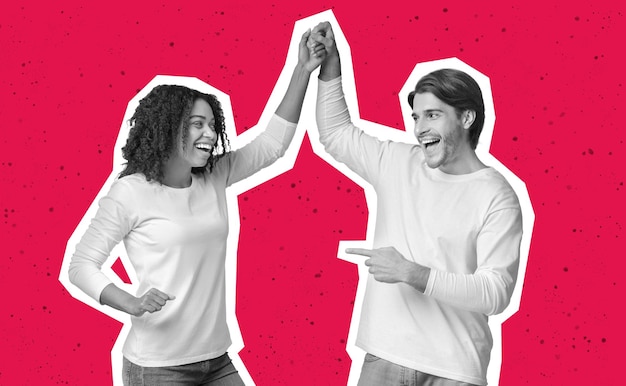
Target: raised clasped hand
column 323, row 34
column 311, row 53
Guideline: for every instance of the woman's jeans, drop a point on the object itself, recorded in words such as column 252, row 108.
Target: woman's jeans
column 214, row 372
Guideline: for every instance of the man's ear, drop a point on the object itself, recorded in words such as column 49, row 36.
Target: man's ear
column 468, row 118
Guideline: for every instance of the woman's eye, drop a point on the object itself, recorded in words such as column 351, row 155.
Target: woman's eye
column 197, row 124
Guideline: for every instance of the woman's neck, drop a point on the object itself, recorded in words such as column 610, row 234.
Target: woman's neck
column 176, row 174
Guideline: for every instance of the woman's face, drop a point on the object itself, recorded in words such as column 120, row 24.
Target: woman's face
column 201, row 136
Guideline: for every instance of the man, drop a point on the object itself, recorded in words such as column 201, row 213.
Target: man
column 447, row 237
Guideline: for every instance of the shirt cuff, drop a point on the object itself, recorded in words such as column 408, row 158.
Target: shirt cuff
column 329, row 85
column 282, row 121
column 430, row 284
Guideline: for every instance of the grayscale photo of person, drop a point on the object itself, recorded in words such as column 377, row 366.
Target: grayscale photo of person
column 448, row 228
column 168, row 207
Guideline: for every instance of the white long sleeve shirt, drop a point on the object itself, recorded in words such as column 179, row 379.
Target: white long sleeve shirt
column 176, row 242
column 466, row 228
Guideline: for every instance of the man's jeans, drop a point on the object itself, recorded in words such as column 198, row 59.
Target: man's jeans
column 379, row 372
column 214, row 372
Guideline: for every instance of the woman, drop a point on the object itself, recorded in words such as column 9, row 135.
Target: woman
column 169, row 208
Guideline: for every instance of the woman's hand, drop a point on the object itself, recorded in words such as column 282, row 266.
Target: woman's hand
column 151, row 301
column 310, row 56
column 311, row 53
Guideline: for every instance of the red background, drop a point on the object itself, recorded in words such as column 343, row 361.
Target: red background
column 69, row 68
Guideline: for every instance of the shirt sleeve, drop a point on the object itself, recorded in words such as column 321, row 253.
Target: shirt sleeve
column 488, row 290
column 108, row 227
column 261, row 152
column 344, row 141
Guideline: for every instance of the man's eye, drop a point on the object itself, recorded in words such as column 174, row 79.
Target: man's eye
column 433, row 116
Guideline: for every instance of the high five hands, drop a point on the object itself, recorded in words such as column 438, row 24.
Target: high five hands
column 323, row 34
column 310, row 54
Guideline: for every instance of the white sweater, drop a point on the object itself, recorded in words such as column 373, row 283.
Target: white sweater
column 176, row 242
column 466, row 228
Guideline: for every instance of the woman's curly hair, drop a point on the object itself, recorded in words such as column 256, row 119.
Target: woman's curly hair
column 155, row 129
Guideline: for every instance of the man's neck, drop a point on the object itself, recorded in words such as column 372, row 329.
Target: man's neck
column 463, row 164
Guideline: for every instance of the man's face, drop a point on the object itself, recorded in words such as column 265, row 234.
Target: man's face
column 442, row 133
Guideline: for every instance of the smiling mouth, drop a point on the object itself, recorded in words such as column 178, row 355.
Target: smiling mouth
column 205, row 147
column 428, row 143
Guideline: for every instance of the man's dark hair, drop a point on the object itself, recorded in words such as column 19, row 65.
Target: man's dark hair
column 156, row 129
column 457, row 89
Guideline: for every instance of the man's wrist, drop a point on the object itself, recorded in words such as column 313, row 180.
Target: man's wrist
column 331, row 68
column 417, row 276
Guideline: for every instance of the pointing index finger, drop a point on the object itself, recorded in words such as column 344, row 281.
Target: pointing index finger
column 360, row 251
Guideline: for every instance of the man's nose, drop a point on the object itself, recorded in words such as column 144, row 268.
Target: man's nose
column 420, row 128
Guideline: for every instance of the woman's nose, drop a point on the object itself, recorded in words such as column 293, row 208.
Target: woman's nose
column 209, row 132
